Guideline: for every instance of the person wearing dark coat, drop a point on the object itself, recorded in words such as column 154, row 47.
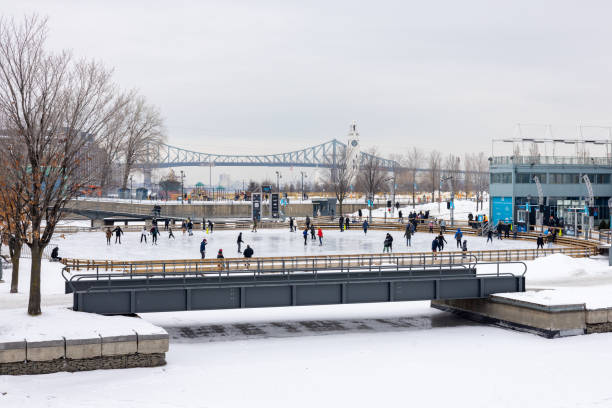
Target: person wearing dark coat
column 308, row 222
column 118, row 233
column 388, row 244
column 290, row 224
column 401, row 216
column 341, row 223
column 248, row 253
column 360, row 214
column 312, row 232
column 239, row 242
column 154, row 234
column 210, row 226
column 365, row 226
column 203, row 247
column 346, row 223
column 166, row 224
column 489, row 236
column 540, row 242
column 55, row 255
column 441, row 242
column 408, row 234
column 434, row 246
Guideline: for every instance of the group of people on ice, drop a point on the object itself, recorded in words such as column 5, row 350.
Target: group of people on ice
column 309, row 228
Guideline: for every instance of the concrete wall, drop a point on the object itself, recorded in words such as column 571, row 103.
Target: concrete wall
column 548, row 322
column 103, row 352
column 195, row 211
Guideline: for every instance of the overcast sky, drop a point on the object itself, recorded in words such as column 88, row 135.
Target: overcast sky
column 271, row 76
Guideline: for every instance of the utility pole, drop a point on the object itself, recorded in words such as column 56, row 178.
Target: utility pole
column 182, row 187
column 131, row 189
column 452, row 209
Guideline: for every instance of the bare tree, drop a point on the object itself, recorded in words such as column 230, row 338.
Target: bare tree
column 451, row 170
column 468, row 179
column 144, row 130
column 434, row 170
column 481, row 166
column 54, row 106
column 372, row 176
column 13, row 219
column 342, row 175
column 413, row 162
column 112, row 140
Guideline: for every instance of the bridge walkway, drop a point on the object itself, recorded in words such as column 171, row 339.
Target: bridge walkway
column 313, row 283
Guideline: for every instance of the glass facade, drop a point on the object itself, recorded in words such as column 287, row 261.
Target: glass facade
column 501, row 178
column 528, row 178
column 564, row 178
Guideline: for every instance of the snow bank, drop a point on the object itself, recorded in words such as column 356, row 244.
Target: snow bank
column 462, row 209
column 57, row 322
column 559, row 268
column 592, row 297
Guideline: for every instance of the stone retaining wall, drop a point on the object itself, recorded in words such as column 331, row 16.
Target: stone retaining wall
column 548, row 321
column 103, row 352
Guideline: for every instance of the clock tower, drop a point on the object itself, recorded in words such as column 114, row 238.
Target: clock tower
column 354, row 147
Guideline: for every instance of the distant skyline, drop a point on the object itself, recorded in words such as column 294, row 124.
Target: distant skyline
column 273, row 76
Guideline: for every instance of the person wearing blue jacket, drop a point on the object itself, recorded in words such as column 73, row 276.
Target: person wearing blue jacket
column 365, row 226
column 458, row 237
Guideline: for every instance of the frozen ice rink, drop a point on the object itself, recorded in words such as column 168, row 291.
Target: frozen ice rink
column 265, row 242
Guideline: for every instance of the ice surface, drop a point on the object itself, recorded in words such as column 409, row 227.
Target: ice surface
column 265, row 242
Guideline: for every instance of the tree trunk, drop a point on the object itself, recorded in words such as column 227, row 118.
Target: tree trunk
column 413, row 183
column 126, row 173
column 340, row 203
column 34, row 302
column 15, row 255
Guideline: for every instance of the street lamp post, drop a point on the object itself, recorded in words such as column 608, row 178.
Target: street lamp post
column 278, row 177
column 303, row 175
column 182, row 187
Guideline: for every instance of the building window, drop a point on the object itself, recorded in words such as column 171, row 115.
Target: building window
column 602, row 178
column 563, row 178
column 501, row 178
column 528, row 178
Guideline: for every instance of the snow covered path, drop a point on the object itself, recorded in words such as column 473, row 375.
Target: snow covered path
column 466, row 365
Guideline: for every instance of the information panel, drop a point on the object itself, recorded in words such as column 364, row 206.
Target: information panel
column 256, row 206
column 274, row 205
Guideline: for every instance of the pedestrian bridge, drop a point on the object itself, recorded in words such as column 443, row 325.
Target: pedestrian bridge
column 241, row 283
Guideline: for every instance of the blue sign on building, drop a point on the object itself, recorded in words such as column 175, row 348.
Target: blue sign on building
column 501, row 209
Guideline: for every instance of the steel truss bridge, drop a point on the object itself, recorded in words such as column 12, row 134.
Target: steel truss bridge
column 326, row 155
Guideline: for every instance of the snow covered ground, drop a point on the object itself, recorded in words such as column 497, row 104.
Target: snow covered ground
column 265, row 242
column 448, row 363
column 59, row 321
column 462, row 209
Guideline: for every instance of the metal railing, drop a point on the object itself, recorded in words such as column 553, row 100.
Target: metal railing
column 275, row 264
column 294, row 275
